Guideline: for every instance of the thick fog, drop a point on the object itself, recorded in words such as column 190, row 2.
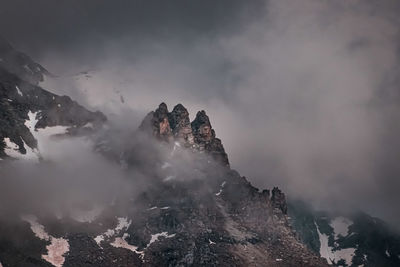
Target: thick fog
column 304, row 94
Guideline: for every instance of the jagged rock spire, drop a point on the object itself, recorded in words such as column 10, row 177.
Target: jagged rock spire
column 157, row 123
column 175, row 125
column 162, row 122
column 180, row 124
column 204, row 137
column 202, row 129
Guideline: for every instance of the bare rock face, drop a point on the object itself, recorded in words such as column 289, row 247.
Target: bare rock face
column 176, row 126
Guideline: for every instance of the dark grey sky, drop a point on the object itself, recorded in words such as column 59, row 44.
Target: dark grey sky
column 304, row 94
column 63, row 26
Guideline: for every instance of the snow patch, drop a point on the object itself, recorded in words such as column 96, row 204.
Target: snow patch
column 120, row 242
column 123, row 224
column 36, row 227
column 43, row 136
column 222, row 186
column 58, row 246
column 19, row 91
column 156, row 237
column 11, row 149
column 333, row 256
column 99, row 239
column 56, row 251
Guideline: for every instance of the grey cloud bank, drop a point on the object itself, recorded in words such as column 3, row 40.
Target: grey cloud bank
column 304, row 94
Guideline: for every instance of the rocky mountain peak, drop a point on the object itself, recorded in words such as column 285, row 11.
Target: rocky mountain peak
column 162, row 109
column 176, row 126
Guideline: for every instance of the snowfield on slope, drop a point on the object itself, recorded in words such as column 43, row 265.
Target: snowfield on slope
column 331, row 254
column 12, row 150
column 57, row 248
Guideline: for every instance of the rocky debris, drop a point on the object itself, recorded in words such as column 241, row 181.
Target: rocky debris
column 20, row 64
column 175, row 126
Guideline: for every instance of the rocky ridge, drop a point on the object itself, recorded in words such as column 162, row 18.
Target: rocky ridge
column 19, row 98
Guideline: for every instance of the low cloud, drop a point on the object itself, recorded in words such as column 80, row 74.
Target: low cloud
column 304, row 96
